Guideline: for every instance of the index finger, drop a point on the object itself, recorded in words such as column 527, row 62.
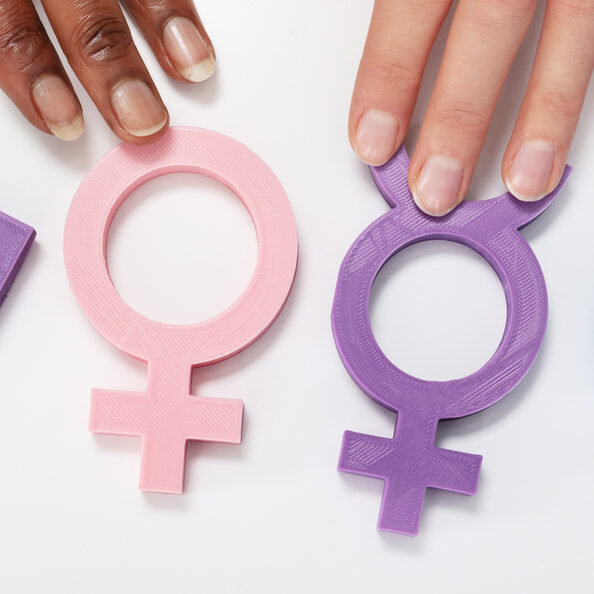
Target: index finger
column 400, row 38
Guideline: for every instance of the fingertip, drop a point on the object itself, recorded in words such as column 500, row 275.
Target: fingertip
column 124, row 135
column 376, row 137
column 58, row 107
column 528, row 176
column 138, row 110
column 70, row 132
column 187, row 50
column 428, row 211
column 437, row 188
column 200, row 71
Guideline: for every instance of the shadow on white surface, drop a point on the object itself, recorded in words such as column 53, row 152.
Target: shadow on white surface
column 77, row 156
column 205, row 93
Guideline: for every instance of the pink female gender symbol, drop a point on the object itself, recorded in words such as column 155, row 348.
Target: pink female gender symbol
column 166, row 416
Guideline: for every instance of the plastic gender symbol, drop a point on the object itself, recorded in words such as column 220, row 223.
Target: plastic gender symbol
column 15, row 241
column 167, row 415
column 410, row 462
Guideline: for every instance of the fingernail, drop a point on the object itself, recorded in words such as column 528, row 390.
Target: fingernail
column 187, row 50
column 137, row 108
column 437, row 187
column 58, row 107
column 529, row 174
column 376, row 136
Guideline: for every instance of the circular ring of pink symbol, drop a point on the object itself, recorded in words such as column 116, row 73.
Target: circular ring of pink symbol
column 166, row 416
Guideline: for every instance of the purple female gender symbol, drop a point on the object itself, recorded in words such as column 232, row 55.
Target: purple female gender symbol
column 410, row 462
column 15, row 241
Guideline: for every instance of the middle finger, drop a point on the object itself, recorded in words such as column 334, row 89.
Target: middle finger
column 483, row 41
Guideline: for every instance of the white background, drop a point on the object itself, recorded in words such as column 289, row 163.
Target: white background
column 273, row 515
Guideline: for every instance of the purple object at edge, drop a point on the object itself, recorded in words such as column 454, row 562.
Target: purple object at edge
column 410, row 462
column 15, row 240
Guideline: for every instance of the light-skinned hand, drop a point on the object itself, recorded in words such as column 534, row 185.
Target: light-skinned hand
column 483, row 41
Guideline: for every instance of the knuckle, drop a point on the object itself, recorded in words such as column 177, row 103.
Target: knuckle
column 425, row 5
column 576, row 8
column 152, row 4
column 488, row 14
column 103, row 38
column 22, row 42
column 459, row 116
column 159, row 11
column 516, row 7
column 557, row 104
column 391, row 72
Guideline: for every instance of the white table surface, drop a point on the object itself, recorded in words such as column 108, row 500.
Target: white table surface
column 273, row 515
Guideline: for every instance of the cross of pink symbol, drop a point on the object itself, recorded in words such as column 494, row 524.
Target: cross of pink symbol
column 166, row 415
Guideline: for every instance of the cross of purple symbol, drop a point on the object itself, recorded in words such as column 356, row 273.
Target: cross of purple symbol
column 409, row 462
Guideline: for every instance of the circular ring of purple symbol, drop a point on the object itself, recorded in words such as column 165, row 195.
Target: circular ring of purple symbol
column 410, row 462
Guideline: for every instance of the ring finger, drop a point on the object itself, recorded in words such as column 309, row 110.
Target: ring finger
column 400, row 38
column 537, row 152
